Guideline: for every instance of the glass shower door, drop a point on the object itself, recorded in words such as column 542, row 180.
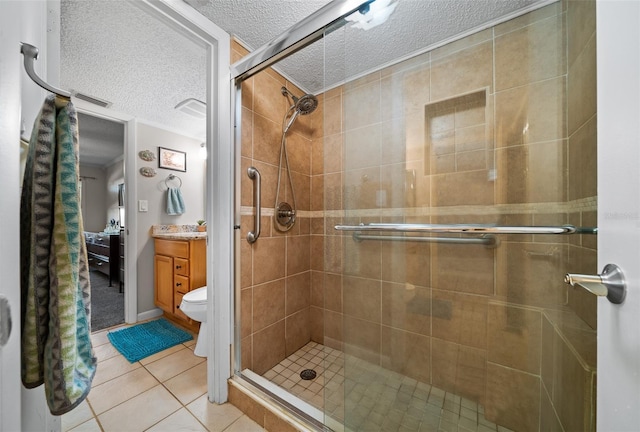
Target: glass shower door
column 464, row 330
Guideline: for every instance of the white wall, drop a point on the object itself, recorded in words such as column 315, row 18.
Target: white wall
column 94, row 213
column 153, row 190
column 20, row 409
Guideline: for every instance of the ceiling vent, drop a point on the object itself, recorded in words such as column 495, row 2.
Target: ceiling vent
column 91, row 99
column 193, row 107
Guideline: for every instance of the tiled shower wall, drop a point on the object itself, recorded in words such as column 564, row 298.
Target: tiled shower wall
column 275, row 271
column 496, row 128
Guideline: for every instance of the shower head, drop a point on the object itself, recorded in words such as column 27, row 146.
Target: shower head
column 306, row 104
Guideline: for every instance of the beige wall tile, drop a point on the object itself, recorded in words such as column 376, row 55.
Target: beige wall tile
column 299, row 152
column 462, row 72
column 550, row 340
column 362, row 147
column 530, row 18
column 269, row 259
column 317, row 252
column 317, row 156
column 362, row 259
column 298, row 331
column 406, row 353
column 572, row 379
column 406, row 307
column 316, row 324
column 444, row 358
column 514, row 337
column 462, row 188
column 413, row 92
column 246, row 312
column 333, row 329
column 581, row 87
column 470, row 138
column 532, row 53
column 361, row 106
column 513, row 398
column 362, row 339
column 531, row 113
column 247, row 133
column 467, row 269
column 333, row 292
column 266, row 140
column 461, row 44
column 583, row 161
column 581, row 25
column 471, row 373
column 268, row 347
column 333, row 254
column 247, row 405
column 317, row 288
column 298, row 292
column 268, row 304
column 548, row 419
column 298, row 259
column 246, row 345
column 268, row 99
column 582, row 302
column 333, row 153
column 362, row 298
column 406, row 262
column 333, row 191
column 459, row 318
column 532, row 173
column 471, row 161
column 526, row 274
column 332, row 114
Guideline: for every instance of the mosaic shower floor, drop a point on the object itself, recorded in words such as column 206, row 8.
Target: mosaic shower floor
column 374, row 398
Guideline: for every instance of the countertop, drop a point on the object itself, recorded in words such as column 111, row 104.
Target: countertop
column 194, row 235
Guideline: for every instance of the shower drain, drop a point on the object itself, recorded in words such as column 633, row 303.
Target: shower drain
column 308, row 374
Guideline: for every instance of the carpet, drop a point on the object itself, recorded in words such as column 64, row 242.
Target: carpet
column 107, row 302
column 143, row 340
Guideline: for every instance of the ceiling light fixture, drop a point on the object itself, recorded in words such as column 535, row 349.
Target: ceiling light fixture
column 372, row 14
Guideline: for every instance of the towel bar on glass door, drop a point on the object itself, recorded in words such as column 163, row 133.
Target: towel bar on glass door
column 467, row 229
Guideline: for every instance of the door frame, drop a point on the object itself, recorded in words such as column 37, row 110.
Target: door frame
column 219, row 185
column 131, row 197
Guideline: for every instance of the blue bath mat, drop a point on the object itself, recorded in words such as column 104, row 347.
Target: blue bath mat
column 143, row 340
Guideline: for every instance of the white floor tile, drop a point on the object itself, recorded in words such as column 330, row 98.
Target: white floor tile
column 215, row 417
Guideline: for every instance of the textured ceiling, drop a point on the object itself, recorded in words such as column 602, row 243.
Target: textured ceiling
column 114, row 51
column 102, row 141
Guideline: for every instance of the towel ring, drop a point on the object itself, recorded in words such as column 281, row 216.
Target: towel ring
column 172, row 177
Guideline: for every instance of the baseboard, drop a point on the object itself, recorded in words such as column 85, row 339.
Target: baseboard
column 153, row 313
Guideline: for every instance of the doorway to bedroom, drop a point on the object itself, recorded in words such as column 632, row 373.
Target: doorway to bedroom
column 103, row 208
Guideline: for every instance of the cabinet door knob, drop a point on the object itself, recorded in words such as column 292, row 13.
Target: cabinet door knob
column 178, row 266
column 179, row 284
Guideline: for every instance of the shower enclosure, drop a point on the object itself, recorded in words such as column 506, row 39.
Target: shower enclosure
column 440, row 199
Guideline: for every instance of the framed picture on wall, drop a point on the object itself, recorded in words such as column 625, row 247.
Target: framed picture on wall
column 172, row 159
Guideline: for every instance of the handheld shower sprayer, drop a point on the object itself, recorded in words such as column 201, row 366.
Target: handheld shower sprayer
column 304, row 105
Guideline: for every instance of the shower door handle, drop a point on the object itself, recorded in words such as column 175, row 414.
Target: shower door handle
column 609, row 283
column 254, row 175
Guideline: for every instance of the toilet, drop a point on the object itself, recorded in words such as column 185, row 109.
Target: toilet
column 194, row 305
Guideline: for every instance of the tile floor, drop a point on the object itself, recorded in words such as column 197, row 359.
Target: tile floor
column 371, row 398
column 164, row 392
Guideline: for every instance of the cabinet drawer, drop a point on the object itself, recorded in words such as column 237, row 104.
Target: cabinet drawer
column 181, row 266
column 175, row 248
column 176, row 301
column 181, row 284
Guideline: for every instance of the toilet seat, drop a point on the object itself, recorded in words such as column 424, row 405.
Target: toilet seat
column 197, row 296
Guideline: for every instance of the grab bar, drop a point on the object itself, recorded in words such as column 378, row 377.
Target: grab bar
column 254, row 175
column 467, row 228
column 487, row 240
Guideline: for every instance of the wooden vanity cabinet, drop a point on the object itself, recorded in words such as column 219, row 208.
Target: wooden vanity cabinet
column 180, row 267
